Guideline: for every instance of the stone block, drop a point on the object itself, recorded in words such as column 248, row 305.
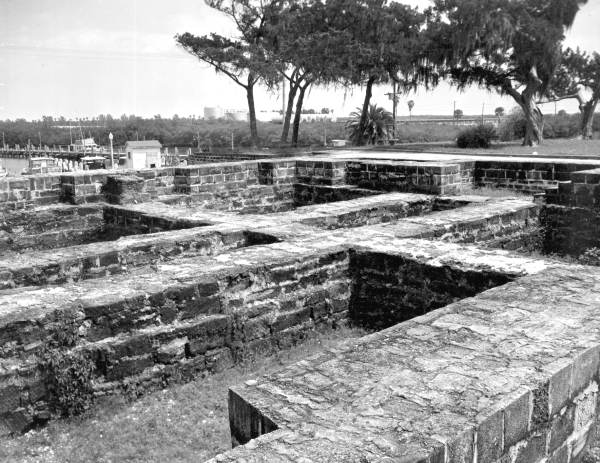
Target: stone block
column 172, row 351
column 534, row 449
column 489, row 437
column 561, row 427
column 560, row 388
column 585, row 369
column 128, row 366
column 516, row 420
column 218, row 360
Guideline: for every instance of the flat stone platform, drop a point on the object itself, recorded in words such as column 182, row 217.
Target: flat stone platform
column 511, row 372
column 445, row 158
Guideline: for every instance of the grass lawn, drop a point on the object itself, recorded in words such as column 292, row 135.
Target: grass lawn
column 184, row 423
column 558, row 147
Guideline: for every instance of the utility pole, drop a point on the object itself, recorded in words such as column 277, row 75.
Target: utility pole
column 454, row 112
column 112, row 161
column 40, row 137
column 394, row 97
column 482, row 111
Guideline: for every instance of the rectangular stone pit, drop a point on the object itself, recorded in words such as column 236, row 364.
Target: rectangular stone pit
column 458, row 384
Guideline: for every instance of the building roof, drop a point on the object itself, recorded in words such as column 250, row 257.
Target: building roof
column 143, row 144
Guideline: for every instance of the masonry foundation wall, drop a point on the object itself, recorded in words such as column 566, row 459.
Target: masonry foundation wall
column 21, row 192
column 529, row 177
column 100, row 259
column 389, row 289
column 458, row 384
column 436, row 178
column 569, row 230
column 154, row 336
column 48, row 227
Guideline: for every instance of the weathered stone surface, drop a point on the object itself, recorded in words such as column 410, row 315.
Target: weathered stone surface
column 508, row 374
column 441, row 374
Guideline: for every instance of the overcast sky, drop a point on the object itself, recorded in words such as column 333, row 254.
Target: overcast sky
column 80, row 58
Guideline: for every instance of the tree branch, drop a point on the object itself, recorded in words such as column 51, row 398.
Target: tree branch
column 576, row 96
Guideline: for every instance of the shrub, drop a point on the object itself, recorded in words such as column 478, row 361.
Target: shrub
column 69, row 380
column 562, row 125
column 513, row 126
column 68, row 373
column 476, row 137
column 426, row 132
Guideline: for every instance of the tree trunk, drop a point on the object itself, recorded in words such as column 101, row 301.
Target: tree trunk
column 299, row 103
column 288, row 111
column 534, row 128
column 252, row 111
column 587, row 118
column 360, row 138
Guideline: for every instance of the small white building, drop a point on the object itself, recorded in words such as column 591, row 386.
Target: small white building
column 142, row 154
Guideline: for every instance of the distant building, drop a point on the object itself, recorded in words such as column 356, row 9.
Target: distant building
column 212, row 113
column 142, row 154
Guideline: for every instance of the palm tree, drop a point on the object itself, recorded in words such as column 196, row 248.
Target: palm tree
column 376, row 128
column 411, row 105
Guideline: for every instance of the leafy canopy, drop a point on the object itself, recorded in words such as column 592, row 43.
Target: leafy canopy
column 578, row 70
column 500, row 44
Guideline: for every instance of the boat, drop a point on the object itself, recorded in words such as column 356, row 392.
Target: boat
column 86, row 145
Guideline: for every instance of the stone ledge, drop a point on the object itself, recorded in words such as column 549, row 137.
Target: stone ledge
column 458, row 381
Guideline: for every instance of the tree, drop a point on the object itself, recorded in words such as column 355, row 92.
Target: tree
column 384, row 38
column 458, row 113
column 577, row 74
column 511, row 46
column 243, row 59
column 411, row 105
column 306, row 47
column 376, row 128
column 499, row 111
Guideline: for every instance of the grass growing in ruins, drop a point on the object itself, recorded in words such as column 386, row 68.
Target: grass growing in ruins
column 182, row 423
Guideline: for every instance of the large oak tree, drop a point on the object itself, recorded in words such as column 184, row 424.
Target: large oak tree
column 511, row 46
column 382, row 45
column 578, row 77
column 243, row 58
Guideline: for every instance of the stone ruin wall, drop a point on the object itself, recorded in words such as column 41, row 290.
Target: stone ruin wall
column 157, row 328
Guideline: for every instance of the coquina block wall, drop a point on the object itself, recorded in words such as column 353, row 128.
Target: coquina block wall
column 462, row 383
column 186, row 301
column 209, row 298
